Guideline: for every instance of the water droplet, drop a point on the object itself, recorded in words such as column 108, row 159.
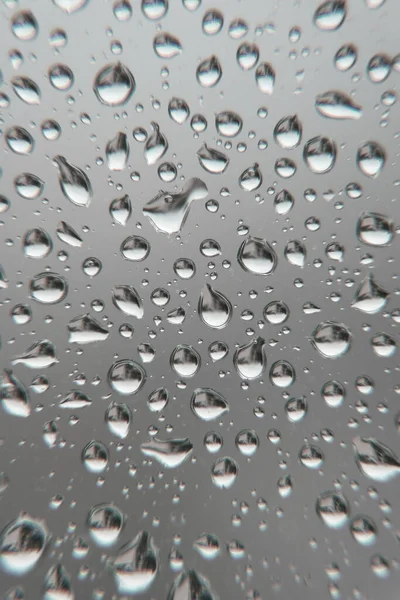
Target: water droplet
column 370, row 297
column 251, row 178
column 383, row 345
column 371, row 159
column 70, row 6
column 136, row 565
column 95, row 456
column 238, row 29
column 127, row 300
column 276, row 312
column 283, row 202
column 375, row 229
column 19, row 140
column 213, row 22
column 169, row 453
column 26, row 89
column 14, row 397
column 285, row 486
column 68, row 235
column 375, row 460
column 48, row 288
column 126, row 377
column 311, row 456
column 178, row 110
column 333, row 393
column 86, row 330
column 114, row 84
column 57, row 584
column 28, row 186
column 247, row 442
column 337, row 105
column 91, row 266
column 249, row 359
column 296, row 409
column 282, row 374
column 265, row 78
column 185, row 360
column 288, row 132
column 333, row 509
column 75, row 400
column 345, row 57
column 166, row 45
column 21, row 314
column 37, row 243
column 331, row 339
column 154, row 9
column 320, row 154
column 295, row 253
column 117, row 152
column 118, row 418
column 122, row 10
column 210, row 248
column 213, row 161
column 156, row 145
column 190, row 585
column 184, row 268
column 121, row 210
column 207, row 545
column 38, row 356
column 158, row 400
column 214, row 308
column 247, row 56
column 61, row 77
column 50, row 434
column 224, row 472
column 256, row 256
column 51, row 130
column 22, row 544
column 379, row 67
column 105, row 522
column 209, row 72
column 363, row 529
column 330, row 15
column 74, row 183
column 135, row 248
column 24, row 25
column 335, row 251
column 228, row 123
column 208, row 404
column 217, row 350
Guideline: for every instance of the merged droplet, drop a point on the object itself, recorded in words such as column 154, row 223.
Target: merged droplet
column 209, row 72
column 212, row 160
column 337, row 105
column 331, row 339
column 105, row 522
column 22, row 543
column 114, row 84
column 40, row 355
column 256, row 256
column 74, row 182
column 208, row 404
column 169, row 453
column 136, row 564
column 249, row 359
column 126, row 376
column 214, row 308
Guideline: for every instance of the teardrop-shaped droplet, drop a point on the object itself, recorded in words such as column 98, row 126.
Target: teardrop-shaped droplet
column 19, row 140
column 190, row 585
column 251, row 178
column 249, row 359
column 320, row 154
column 331, row 339
column 57, row 584
column 224, row 472
column 208, row 404
column 295, row 253
column 166, row 45
column 26, row 89
column 126, row 377
column 74, row 183
column 337, row 105
column 256, row 256
column 121, row 210
column 178, row 110
column 383, row 345
column 283, row 202
column 156, row 145
column 37, row 243
column 117, row 152
column 95, row 456
column 375, row 460
column 48, row 288
column 22, row 543
column 375, row 229
column 247, row 55
column 213, row 161
column 28, row 186
column 70, row 6
column 169, row 453
column 185, row 360
column 168, row 212
column 370, row 297
column 288, row 132
column 86, row 330
column 330, row 15
column 75, row 400
column 135, row 248
column 379, row 67
column 209, row 72
column 154, row 9
column 345, row 57
column 265, row 78
column 228, row 123
column 136, row 565
column 371, row 158
column 114, row 84
column 333, row 509
column 118, row 419
column 214, row 308
column 38, row 356
column 50, row 434
column 68, row 235
column 126, row 298
column 105, row 522
column 24, row 25
column 158, row 400
column 14, row 397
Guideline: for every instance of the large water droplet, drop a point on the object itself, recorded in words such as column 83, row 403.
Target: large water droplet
column 114, row 84
column 105, row 522
column 247, row 442
column 212, row 160
column 375, row 460
column 169, row 453
column 228, row 123
column 14, row 397
column 296, row 409
column 213, row 21
column 337, row 105
column 24, row 25
column 166, row 45
column 256, row 256
column 331, row 339
column 375, row 229
column 207, row 404
column 190, row 585
column 136, row 565
column 86, row 330
column 379, row 67
column 61, row 77
column 22, row 544
column 178, row 110
column 249, row 359
column 19, row 140
column 214, row 308
column 28, row 186
column 48, row 288
column 156, row 145
column 330, row 15
column 276, row 312
column 126, row 377
column 68, row 235
column 282, row 374
column 38, row 356
column 209, row 72
column 37, row 243
column 74, row 182
column 320, row 154
column 117, row 152
column 75, row 400
column 283, row 202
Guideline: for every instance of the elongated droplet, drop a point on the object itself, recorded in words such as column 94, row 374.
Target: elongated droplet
column 75, row 400
column 331, row 339
column 114, row 84
column 26, row 89
column 121, row 210
column 288, row 132
column 256, row 256
column 166, row 45
column 214, row 308
column 337, row 105
column 375, row 229
column 375, row 460
column 190, row 585
column 295, row 253
column 14, row 397
column 136, row 565
column 74, row 183
column 330, row 15
column 168, row 212
column 86, row 330
column 371, row 158
column 156, row 145
column 68, row 235
column 118, row 419
column 48, row 288
column 169, row 453
column 213, row 161
column 38, row 356
column 251, row 178
column 126, row 377
column 207, row 404
column 370, row 297
column 249, row 359
column 22, row 544
column 128, row 301
column 320, row 154
column 58, row 584
column 265, row 78
column 209, row 72
column 117, row 152
column 95, row 456
column 105, row 522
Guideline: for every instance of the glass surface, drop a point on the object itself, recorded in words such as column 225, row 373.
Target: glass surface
column 199, row 299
